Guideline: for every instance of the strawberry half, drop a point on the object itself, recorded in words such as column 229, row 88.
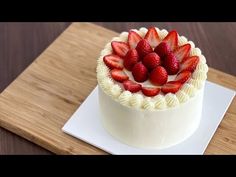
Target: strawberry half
column 131, row 59
column 183, row 76
column 113, row 61
column 119, row 75
column 152, row 37
column 143, row 48
column 133, row 39
column 182, row 52
column 172, row 40
column 140, row 72
column 120, row 48
column 189, row 64
column 158, row 76
column 151, row 61
column 150, row 91
column 162, row 49
column 132, row 86
column 171, row 87
column 171, row 64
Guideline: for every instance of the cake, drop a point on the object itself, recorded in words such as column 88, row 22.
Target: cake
column 151, row 87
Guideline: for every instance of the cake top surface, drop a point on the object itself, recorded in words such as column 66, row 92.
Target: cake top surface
column 151, row 69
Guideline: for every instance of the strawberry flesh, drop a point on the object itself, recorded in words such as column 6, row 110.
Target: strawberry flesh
column 182, row 52
column 150, row 91
column 172, row 40
column 113, row 61
column 152, row 37
column 119, row 75
column 132, row 86
column 183, row 76
column 189, row 64
column 133, row 39
column 171, row 87
column 120, row 48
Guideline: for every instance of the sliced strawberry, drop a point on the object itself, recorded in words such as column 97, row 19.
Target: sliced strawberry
column 172, row 40
column 171, row 87
column 189, row 64
column 158, row 76
column 150, row 91
column 132, row 86
column 183, row 76
column 162, row 49
column 120, row 48
column 133, row 39
column 113, row 61
column 131, row 59
column 119, row 75
column 182, row 52
column 143, row 48
column 152, row 37
column 171, row 64
column 151, row 61
column 140, row 72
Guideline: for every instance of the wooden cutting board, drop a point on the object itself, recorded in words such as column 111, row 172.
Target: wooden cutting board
column 40, row 100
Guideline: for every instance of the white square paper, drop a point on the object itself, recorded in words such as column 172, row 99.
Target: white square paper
column 85, row 125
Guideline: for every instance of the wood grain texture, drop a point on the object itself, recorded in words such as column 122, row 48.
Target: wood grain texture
column 20, row 44
column 38, row 103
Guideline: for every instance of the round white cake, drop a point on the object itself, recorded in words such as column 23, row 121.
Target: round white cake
column 140, row 104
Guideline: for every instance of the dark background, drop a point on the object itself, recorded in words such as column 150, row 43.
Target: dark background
column 21, row 43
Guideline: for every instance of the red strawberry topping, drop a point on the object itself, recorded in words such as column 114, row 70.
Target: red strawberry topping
column 150, row 91
column 171, row 64
column 132, row 86
column 140, row 72
column 119, row 75
column 171, row 87
column 183, row 76
column 182, row 52
column 152, row 37
column 189, row 64
column 172, row 40
column 162, row 49
column 151, row 61
column 133, row 39
column 113, row 61
column 131, row 59
column 120, row 48
column 143, row 48
column 158, row 76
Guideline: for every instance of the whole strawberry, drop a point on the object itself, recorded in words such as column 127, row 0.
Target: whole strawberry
column 140, row 72
column 151, row 61
column 171, row 64
column 158, row 76
column 131, row 59
column 143, row 48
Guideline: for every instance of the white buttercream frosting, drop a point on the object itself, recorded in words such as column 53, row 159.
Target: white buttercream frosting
column 182, row 40
column 171, row 100
column 148, row 104
column 182, row 96
column 140, row 101
column 160, row 102
column 136, row 100
column 125, row 97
